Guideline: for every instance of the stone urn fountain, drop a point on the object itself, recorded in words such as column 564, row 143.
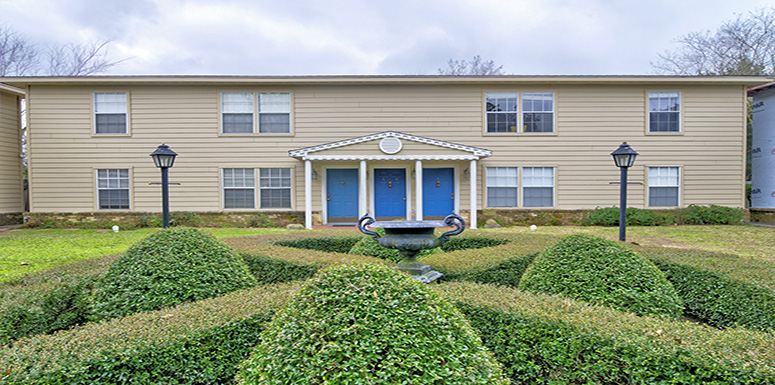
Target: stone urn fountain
column 411, row 237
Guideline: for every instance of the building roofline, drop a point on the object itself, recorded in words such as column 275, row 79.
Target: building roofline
column 761, row 88
column 13, row 90
column 748, row 81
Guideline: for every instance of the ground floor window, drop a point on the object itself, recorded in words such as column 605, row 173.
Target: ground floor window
column 239, row 188
column 275, row 188
column 663, row 186
column 502, row 186
column 538, row 186
column 113, row 188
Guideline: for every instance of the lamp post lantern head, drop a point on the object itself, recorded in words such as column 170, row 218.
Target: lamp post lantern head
column 624, row 156
column 163, row 157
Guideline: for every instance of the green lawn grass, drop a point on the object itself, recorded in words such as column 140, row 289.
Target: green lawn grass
column 30, row 250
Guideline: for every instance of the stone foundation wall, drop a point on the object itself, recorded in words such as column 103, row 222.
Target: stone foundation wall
column 764, row 216
column 11, row 219
column 183, row 218
column 507, row 218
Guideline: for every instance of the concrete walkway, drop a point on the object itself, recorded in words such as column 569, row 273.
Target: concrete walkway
column 9, row 227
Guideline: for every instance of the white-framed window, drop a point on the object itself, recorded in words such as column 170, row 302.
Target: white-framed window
column 501, row 112
column 538, row 186
column 502, row 186
column 239, row 188
column 237, row 112
column 664, row 111
column 113, row 189
column 275, row 188
column 538, row 111
column 110, row 113
column 274, row 113
column 664, row 184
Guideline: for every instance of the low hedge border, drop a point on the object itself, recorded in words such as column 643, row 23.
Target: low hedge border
column 195, row 343
column 719, row 301
column 550, row 339
column 48, row 301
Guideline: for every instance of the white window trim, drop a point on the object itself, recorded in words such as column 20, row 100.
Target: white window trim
column 256, row 113
column 127, row 108
column 95, row 173
column 521, row 113
column 649, row 186
column 680, row 113
column 487, row 187
column 553, row 186
column 224, row 188
column 259, row 188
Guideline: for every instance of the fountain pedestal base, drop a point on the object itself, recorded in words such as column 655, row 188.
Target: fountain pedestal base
column 418, row 271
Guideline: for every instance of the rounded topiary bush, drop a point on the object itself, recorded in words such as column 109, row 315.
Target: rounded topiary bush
column 168, row 268
column 368, row 324
column 369, row 247
column 602, row 272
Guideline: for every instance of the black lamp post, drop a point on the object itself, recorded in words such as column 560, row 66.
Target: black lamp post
column 624, row 158
column 164, row 158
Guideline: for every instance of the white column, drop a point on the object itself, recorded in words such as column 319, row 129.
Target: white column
column 362, row 207
column 472, row 172
column 308, row 194
column 418, row 189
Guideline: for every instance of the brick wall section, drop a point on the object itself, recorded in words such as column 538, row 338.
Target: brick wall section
column 11, row 219
column 764, row 216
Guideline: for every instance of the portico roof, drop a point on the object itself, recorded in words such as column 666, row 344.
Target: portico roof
column 459, row 151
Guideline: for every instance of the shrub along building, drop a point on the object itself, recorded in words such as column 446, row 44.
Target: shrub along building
column 327, row 149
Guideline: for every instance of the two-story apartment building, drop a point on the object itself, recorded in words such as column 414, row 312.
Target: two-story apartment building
column 398, row 147
column 11, row 190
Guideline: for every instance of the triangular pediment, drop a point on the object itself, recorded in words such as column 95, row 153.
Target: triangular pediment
column 390, row 145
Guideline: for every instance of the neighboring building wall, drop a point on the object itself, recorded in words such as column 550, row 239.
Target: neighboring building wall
column 591, row 121
column 11, row 192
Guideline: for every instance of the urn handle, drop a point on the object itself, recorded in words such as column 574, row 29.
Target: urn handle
column 453, row 220
column 362, row 226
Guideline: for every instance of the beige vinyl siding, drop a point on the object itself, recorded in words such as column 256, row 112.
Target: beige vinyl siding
column 591, row 121
column 11, row 198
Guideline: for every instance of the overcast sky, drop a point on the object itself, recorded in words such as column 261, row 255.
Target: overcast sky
column 386, row 37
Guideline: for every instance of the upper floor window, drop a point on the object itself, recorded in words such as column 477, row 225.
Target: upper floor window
column 110, row 113
column 239, row 111
column 538, row 111
column 503, row 112
column 664, row 184
column 274, row 113
column 502, row 186
column 664, row 112
column 538, row 186
column 113, row 189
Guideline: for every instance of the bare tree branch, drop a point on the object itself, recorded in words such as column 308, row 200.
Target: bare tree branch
column 17, row 55
column 743, row 46
column 477, row 66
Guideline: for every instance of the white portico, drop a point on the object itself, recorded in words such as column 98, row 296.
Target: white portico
column 390, row 175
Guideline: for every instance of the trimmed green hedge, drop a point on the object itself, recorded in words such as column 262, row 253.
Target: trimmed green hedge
column 368, row 324
column 169, row 267
column 194, row 343
column 550, row 339
column 719, row 301
column 269, row 270
column 48, row 301
column 602, row 272
column 328, row 244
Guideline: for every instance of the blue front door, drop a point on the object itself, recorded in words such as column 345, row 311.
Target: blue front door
column 438, row 192
column 342, row 194
column 390, row 193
